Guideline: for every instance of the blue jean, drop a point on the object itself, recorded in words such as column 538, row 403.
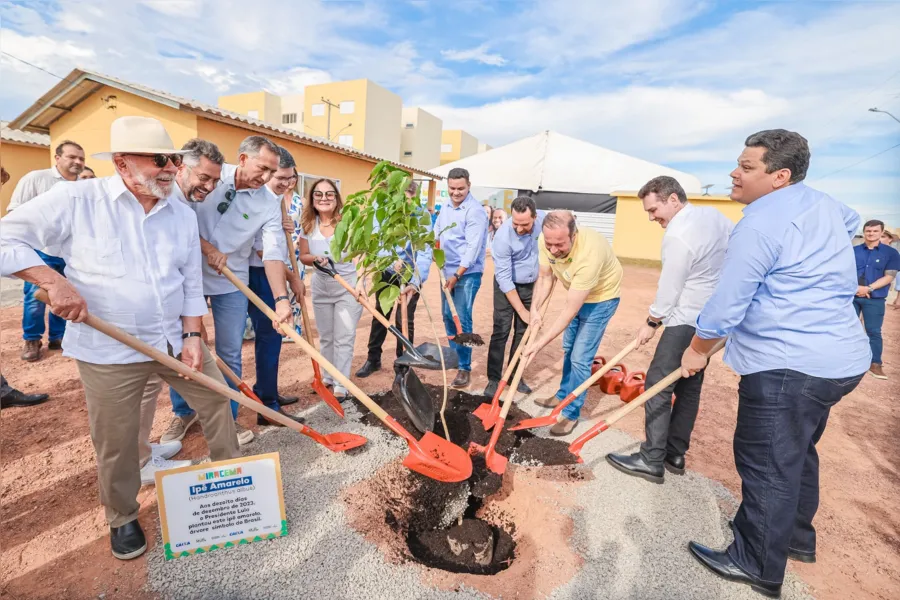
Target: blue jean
column 580, row 342
column 872, row 310
column 464, row 299
column 781, row 416
column 33, row 309
column 229, row 313
column 267, row 343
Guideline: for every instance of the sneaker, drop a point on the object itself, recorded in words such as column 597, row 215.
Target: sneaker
column 178, row 428
column 167, row 450
column 523, row 387
column 244, row 435
column 563, row 427
column 551, row 402
column 148, row 471
column 876, row 371
column 31, row 351
column 249, row 334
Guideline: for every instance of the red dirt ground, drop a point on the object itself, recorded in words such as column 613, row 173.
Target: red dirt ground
column 54, row 540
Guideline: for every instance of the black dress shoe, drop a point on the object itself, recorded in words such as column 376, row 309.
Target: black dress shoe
column 491, row 388
column 461, row 380
column 635, row 465
column 127, row 541
column 803, row 556
column 17, row 398
column 285, row 400
column 368, row 368
column 722, row 565
column 263, row 422
column 523, row 387
column 674, row 464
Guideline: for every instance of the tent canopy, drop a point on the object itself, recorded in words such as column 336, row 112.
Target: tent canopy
column 554, row 162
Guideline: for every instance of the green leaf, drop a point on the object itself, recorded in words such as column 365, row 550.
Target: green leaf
column 425, row 220
column 439, row 258
column 396, row 179
column 388, row 297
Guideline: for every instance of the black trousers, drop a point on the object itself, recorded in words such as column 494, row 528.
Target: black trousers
column 668, row 428
column 505, row 317
column 378, row 332
column 781, row 416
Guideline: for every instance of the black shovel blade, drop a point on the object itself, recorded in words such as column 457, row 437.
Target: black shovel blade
column 415, row 399
column 430, row 352
column 411, row 355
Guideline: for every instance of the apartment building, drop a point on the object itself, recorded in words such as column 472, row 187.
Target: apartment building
column 457, row 144
column 263, row 106
column 420, row 138
column 483, row 147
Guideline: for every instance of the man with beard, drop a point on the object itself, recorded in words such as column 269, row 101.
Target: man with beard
column 69, row 158
column 229, row 220
column 133, row 260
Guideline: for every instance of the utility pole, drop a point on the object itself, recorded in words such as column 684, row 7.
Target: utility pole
column 885, row 112
column 330, row 106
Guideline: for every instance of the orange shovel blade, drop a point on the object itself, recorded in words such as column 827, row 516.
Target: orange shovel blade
column 324, row 393
column 535, row 422
column 341, row 442
column 435, row 457
column 488, row 413
column 578, row 444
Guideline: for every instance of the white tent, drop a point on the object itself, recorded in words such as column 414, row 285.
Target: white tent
column 552, row 162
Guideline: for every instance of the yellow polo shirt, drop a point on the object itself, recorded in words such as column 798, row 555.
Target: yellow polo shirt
column 591, row 265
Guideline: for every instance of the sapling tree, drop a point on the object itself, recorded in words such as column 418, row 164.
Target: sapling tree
column 382, row 227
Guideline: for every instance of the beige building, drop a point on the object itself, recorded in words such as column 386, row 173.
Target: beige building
column 358, row 113
column 420, row 139
column 457, row 144
column 292, row 111
column 261, row 106
column 483, row 147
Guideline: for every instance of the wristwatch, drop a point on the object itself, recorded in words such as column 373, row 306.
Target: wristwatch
column 190, row 334
column 653, row 324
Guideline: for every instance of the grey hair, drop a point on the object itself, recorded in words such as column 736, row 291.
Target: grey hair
column 253, row 145
column 783, row 150
column 523, row 203
column 557, row 219
column 663, row 186
column 285, row 160
column 197, row 148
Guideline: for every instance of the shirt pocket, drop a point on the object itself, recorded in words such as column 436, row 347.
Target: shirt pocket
column 100, row 256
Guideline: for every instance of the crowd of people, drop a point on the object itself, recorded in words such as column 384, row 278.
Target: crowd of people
column 147, row 249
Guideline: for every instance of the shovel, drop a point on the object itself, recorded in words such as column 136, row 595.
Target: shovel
column 232, row 376
column 554, row 414
column 469, row 340
column 318, row 385
column 414, row 358
column 336, row 442
column 431, row 456
column 408, row 388
column 488, row 412
column 576, row 446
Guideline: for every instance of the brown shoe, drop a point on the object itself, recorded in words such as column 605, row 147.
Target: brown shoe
column 551, row 402
column 563, row 427
column 875, row 371
column 31, row 352
column 462, row 380
column 55, row 345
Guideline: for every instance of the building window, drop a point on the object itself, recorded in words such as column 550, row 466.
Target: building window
column 289, row 118
column 407, row 153
column 410, row 125
column 253, row 114
column 445, row 148
column 318, row 110
column 347, row 107
column 345, row 140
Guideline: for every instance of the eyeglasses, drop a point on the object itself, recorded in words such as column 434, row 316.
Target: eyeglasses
column 326, row 195
column 161, row 160
column 229, row 198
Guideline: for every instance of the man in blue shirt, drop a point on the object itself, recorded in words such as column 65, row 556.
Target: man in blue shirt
column 462, row 230
column 876, row 267
column 785, row 302
column 515, row 253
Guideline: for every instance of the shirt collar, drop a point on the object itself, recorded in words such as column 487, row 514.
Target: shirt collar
column 688, row 208
column 55, row 171
column 785, row 194
column 117, row 190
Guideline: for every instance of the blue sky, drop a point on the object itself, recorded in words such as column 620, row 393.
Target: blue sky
column 671, row 81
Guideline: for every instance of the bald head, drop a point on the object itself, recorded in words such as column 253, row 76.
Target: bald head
column 559, row 232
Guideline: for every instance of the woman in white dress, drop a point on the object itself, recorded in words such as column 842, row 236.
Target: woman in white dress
column 336, row 310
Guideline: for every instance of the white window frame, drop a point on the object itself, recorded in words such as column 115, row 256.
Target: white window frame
column 346, row 139
column 348, row 107
column 289, row 118
column 318, row 110
column 446, row 148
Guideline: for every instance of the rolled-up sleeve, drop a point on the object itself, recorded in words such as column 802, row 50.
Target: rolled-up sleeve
column 675, row 271
column 273, row 243
column 751, row 255
column 502, row 253
column 476, row 229
column 38, row 223
column 194, row 301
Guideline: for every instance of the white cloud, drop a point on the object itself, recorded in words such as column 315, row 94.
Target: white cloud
column 176, row 8
column 479, row 54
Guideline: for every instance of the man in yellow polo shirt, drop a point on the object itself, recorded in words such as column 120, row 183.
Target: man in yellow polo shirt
column 585, row 264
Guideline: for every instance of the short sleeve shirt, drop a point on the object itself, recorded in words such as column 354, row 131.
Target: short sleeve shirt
column 590, row 265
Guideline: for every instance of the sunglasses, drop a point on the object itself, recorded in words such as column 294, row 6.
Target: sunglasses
column 161, row 160
column 327, row 195
column 229, row 198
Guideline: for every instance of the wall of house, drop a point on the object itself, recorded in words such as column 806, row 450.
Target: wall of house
column 267, row 106
column 638, row 238
column 423, row 139
column 19, row 159
column 383, row 112
column 462, row 144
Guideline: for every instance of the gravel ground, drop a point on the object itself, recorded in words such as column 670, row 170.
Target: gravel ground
column 632, row 534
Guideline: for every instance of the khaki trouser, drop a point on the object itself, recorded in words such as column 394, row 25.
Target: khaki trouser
column 114, row 395
column 148, row 411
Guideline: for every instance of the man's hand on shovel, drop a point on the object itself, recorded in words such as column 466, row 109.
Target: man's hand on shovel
column 65, row 301
column 192, row 354
column 284, row 312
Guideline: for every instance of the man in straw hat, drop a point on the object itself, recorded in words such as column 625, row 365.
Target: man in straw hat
column 133, row 259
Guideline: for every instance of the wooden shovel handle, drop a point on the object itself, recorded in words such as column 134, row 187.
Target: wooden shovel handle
column 181, row 368
column 231, row 376
column 615, row 360
column 404, row 326
column 449, row 297
column 511, row 392
column 524, row 341
column 312, row 352
column 364, row 301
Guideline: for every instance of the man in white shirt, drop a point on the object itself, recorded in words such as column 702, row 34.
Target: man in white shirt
column 133, row 260
column 69, row 158
column 693, row 250
column 229, row 219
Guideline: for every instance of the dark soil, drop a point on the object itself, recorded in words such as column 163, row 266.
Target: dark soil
column 538, row 452
column 434, row 549
column 470, row 340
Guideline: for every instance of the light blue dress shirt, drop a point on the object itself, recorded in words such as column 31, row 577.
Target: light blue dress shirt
column 422, row 259
column 465, row 244
column 785, row 295
column 516, row 256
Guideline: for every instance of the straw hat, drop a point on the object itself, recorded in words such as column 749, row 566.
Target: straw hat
column 138, row 135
